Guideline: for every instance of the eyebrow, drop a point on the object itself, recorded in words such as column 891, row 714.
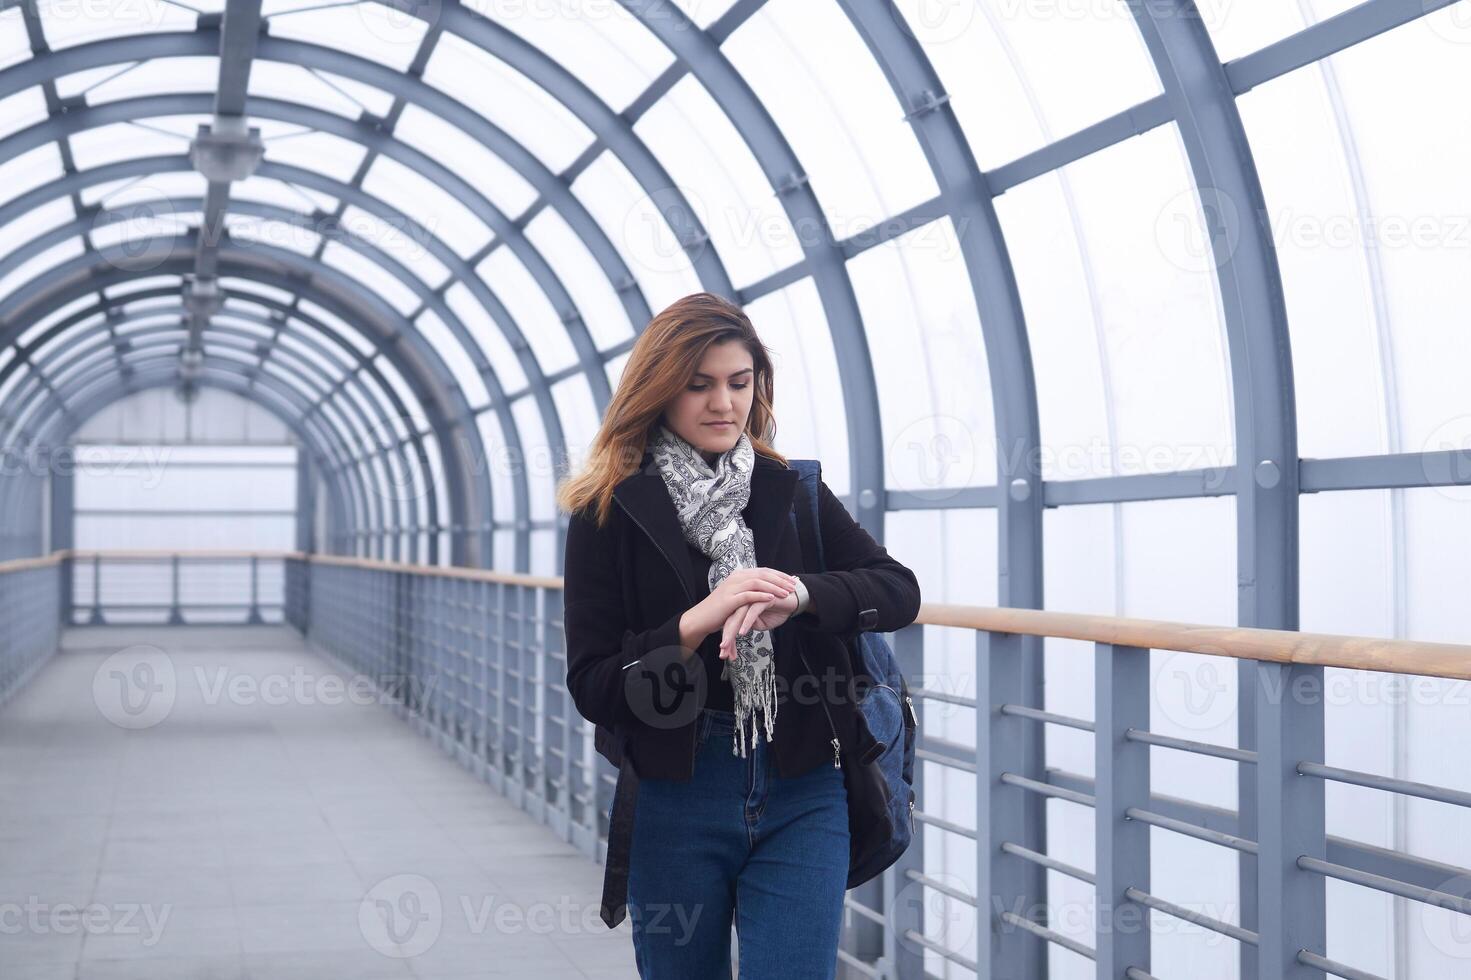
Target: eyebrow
column 733, row 375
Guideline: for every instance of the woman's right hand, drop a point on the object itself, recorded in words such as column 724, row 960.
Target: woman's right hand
column 738, row 589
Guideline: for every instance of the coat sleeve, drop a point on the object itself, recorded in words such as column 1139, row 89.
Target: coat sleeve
column 860, row 575
column 601, row 646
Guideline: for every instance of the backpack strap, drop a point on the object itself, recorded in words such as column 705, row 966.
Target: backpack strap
column 809, row 472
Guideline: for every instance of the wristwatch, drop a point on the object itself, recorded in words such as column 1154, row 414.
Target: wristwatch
column 802, row 597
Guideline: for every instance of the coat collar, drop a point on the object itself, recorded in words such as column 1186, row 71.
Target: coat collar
column 647, row 500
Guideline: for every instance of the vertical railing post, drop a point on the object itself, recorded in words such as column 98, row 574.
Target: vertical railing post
column 904, row 898
column 96, row 618
column 1121, row 769
column 255, row 616
column 1004, row 882
column 1290, row 820
column 176, row 615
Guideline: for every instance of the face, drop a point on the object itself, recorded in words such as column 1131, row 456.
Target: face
column 721, row 390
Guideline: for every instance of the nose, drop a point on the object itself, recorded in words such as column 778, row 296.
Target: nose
column 720, row 401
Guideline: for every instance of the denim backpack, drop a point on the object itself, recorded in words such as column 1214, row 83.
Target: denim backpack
column 879, row 838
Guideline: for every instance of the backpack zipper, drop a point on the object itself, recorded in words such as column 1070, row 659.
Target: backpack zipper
column 837, row 748
column 689, row 598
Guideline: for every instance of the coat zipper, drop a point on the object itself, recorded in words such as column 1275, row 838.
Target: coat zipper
column 837, row 753
column 688, row 597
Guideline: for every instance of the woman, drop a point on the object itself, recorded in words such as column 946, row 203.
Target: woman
column 689, row 613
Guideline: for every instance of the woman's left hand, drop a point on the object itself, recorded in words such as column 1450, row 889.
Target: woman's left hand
column 766, row 615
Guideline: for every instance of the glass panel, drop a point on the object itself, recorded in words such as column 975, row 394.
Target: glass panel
column 277, row 234
column 835, row 106
column 724, row 185
column 447, row 347
column 65, row 23
column 22, row 110
column 365, row 271
column 1119, row 291
column 534, row 446
column 807, row 390
column 35, row 266
column 293, row 83
column 924, row 337
column 322, row 153
column 15, row 45
column 403, row 241
column 434, row 207
column 35, row 223
column 152, row 189
column 351, row 334
column 29, row 171
column 530, row 308
column 501, row 467
column 1238, row 29
column 508, row 99
column 579, row 418
column 600, row 43
column 637, row 227
column 156, row 76
column 231, row 284
column 123, row 141
column 1015, row 72
column 53, row 318
column 369, row 30
column 280, row 193
column 487, row 334
column 585, row 280
column 704, row 12
column 467, row 158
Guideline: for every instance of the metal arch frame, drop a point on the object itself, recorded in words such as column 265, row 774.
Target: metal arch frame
column 364, row 363
column 166, row 378
column 538, row 385
column 697, row 51
column 968, row 200
column 88, row 364
column 323, row 285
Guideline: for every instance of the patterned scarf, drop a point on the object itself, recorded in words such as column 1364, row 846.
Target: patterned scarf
column 709, row 504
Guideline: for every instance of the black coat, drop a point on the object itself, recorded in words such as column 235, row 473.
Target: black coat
column 627, row 584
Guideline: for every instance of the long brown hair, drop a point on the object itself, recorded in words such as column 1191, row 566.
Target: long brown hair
column 662, row 362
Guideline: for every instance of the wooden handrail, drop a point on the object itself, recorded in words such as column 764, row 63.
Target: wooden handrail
column 1447, row 660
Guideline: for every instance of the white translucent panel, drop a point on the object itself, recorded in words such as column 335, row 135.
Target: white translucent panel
column 1020, row 76
column 156, row 76
column 55, row 317
column 367, row 97
column 352, row 334
column 924, row 338
column 293, row 83
column 600, row 43
column 714, row 169
column 369, row 30
column 634, row 222
column 281, row 194
column 441, row 488
column 123, row 141
column 66, row 23
column 792, row 326
column 530, row 308
column 585, row 280
column 1369, row 201
column 405, row 241
column 146, row 323
column 34, row 223
column 1118, row 289
column 137, row 229
column 467, row 158
column 70, row 337
column 1241, row 28
column 488, row 335
column 613, row 368
column 373, row 394
column 235, row 323
column 150, row 190
column 501, row 467
column 307, row 391
column 185, row 532
column 33, row 267
column 15, row 44
column 234, row 285
column 541, row 481
column 433, row 206
column 835, row 107
column 22, row 110
column 323, row 153
column 157, row 302
column 508, row 99
column 293, row 236
column 454, row 356
column 29, row 171
column 416, row 417
column 704, row 12
column 372, row 276
column 579, row 417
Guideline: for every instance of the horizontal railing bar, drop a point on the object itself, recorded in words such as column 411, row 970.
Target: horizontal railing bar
column 867, row 969
column 1027, row 854
column 1180, row 912
column 1022, row 711
column 863, row 910
column 1430, row 896
column 943, row 759
column 1187, row 745
column 1042, row 932
column 944, row 824
column 1045, row 789
column 939, row 886
column 1423, row 790
column 1134, row 973
column 934, row 695
column 945, row 951
column 1191, row 830
column 1334, row 967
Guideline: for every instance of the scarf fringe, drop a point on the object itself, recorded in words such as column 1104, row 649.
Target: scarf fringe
column 766, row 706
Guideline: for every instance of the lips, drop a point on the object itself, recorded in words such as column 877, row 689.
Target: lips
column 720, row 425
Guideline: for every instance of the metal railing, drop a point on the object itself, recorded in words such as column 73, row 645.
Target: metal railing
column 173, row 587
column 30, row 619
column 475, row 660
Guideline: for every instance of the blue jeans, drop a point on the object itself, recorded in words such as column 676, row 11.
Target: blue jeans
column 738, row 840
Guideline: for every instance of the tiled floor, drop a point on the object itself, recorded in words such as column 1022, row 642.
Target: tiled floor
column 241, row 819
